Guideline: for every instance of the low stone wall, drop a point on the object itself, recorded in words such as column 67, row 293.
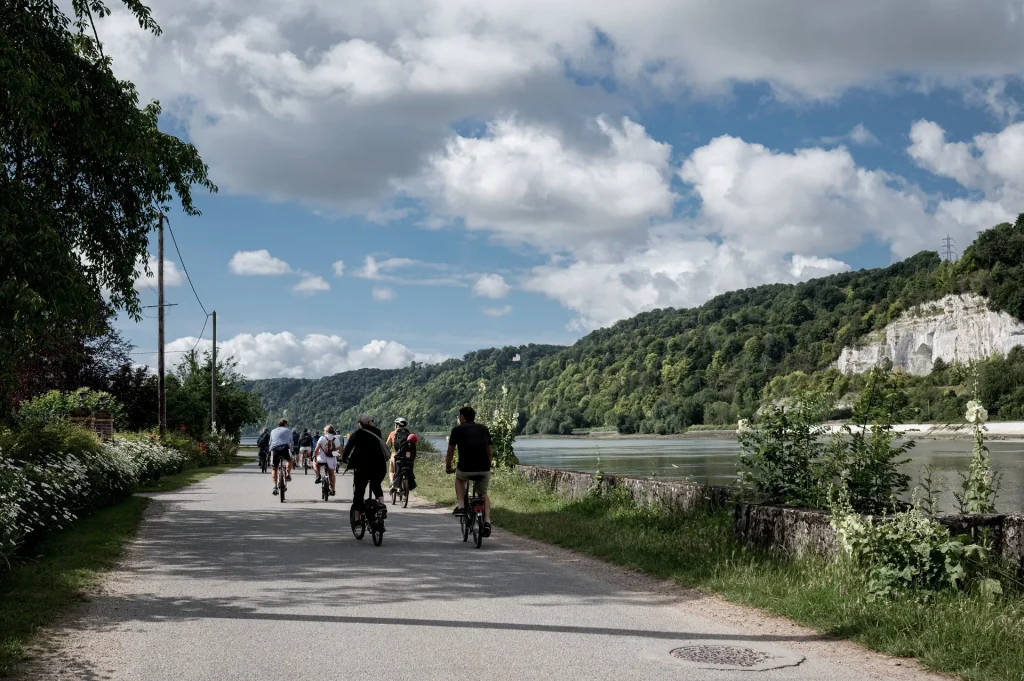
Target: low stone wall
column 676, row 495
column 801, row 531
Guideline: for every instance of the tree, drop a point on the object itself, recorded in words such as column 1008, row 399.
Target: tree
column 84, row 175
column 188, row 397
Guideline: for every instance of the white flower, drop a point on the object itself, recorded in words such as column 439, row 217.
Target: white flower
column 742, row 426
column 976, row 413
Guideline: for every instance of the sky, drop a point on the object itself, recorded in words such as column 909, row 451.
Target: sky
column 410, row 180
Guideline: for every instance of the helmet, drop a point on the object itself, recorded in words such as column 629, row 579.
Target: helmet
column 401, row 422
column 412, row 438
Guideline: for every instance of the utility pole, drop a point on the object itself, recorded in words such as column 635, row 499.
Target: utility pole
column 162, row 397
column 213, row 377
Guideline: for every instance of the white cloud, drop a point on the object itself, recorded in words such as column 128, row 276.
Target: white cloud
column 261, row 85
column 266, row 355
column 497, row 311
column 491, row 286
column 862, row 136
column 339, row 268
column 374, row 269
column 383, row 293
column 668, row 272
column 526, row 183
column 257, row 263
column 172, row 275
column 311, row 284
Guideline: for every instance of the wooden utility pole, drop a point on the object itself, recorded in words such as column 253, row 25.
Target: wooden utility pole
column 213, row 377
column 162, row 396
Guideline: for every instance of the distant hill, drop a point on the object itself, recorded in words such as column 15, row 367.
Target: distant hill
column 664, row 370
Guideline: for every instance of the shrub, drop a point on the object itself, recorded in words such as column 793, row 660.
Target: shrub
column 56, row 472
column 59, row 406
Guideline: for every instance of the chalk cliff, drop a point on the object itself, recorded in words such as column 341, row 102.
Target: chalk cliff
column 955, row 328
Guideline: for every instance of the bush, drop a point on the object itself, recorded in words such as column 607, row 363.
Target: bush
column 54, row 473
column 57, row 406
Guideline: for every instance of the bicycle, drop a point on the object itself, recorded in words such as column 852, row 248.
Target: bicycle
column 472, row 522
column 400, row 489
column 282, row 477
column 373, row 516
column 264, row 460
column 325, row 483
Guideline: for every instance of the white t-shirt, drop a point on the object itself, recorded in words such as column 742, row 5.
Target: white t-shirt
column 322, row 446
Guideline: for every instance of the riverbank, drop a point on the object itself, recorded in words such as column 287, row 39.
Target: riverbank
column 956, row 633
column 998, row 430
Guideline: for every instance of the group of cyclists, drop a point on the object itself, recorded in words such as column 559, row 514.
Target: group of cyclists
column 372, row 457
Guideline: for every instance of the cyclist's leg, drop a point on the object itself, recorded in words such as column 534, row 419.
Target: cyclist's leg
column 376, row 489
column 334, row 479
column 460, row 491
column 359, row 483
column 273, row 467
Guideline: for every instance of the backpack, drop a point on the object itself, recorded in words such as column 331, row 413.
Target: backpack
column 328, row 448
column 306, row 440
column 401, row 435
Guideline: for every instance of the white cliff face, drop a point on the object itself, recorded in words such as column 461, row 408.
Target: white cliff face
column 957, row 328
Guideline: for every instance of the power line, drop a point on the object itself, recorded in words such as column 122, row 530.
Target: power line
column 182, row 261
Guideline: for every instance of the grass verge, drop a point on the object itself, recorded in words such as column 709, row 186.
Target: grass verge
column 35, row 592
column 957, row 633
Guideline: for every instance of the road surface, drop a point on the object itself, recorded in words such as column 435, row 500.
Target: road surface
column 225, row 583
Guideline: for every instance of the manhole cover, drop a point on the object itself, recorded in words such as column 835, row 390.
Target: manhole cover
column 722, row 655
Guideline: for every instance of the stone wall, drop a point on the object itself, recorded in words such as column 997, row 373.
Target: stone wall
column 801, row 531
column 676, row 495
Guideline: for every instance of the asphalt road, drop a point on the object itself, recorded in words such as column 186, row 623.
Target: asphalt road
column 225, row 583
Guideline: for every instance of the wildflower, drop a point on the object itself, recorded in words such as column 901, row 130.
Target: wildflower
column 742, row 426
column 976, row 413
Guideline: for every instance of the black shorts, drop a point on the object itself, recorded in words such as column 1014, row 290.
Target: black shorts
column 281, row 454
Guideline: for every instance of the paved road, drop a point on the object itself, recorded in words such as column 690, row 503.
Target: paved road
column 225, row 583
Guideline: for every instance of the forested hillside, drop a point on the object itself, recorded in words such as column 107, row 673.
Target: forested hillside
column 662, row 371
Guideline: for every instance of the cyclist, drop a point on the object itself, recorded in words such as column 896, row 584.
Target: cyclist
column 326, row 454
column 396, row 439
column 305, row 446
column 406, row 454
column 295, row 444
column 280, row 449
column 368, row 455
column 473, row 441
column 263, row 444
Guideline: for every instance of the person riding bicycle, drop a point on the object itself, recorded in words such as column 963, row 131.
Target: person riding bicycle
column 281, row 450
column 397, row 438
column 295, row 444
column 326, row 454
column 263, row 445
column 305, row 445
column 365, row 452
column 405, row 458
column 476, row 453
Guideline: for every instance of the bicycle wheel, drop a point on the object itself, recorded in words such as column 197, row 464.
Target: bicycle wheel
column 325, row 491
column 358, row 528
column 378, row 537
column 394, row 496
column 478, row 531
column 465, row 528
column 281, row 488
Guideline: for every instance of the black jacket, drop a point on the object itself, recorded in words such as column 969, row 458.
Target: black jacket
column 366, row 452
column 264, row 441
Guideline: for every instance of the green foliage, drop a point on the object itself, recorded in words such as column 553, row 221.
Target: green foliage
column 979, row 487
column 667, row 370
column 85, row 174
column 502, row 421
column 781, row 457
column 188, row 398
column 60, row 406
column 865, row 458
column 907, row 554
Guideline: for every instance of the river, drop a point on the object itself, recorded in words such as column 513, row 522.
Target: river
column 714, row 461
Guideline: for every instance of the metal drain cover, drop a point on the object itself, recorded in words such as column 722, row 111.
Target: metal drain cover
column 723, row 655
column 714, row 655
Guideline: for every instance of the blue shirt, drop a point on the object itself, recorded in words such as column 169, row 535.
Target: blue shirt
column 281, row 437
